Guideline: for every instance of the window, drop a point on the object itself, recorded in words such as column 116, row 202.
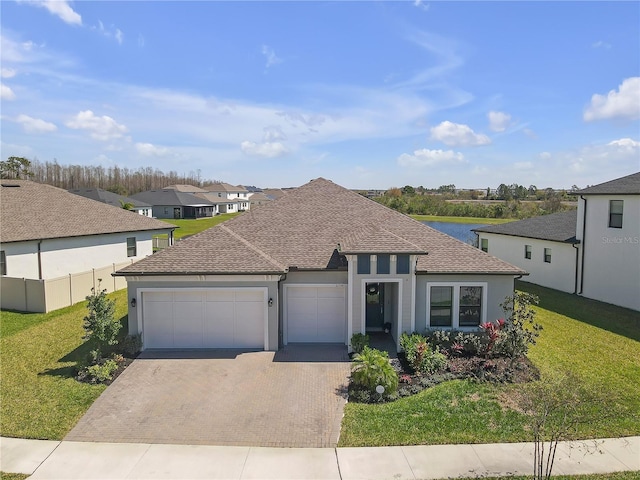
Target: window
column 527, row 251
column 615, row 213
column 547, row 255
column 3, row 263
column 131, row 247
column 470, row 306
column 384, row 262
column 364, row 264
column 484, row 244
column 441, row 308
column 166, row 211
column 402, row 265
column 456, row 304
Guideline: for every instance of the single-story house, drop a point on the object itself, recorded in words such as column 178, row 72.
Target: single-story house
column 317, row 265
column 110, row 198
column 172, row 203
column 54, row 244
column 594, row 251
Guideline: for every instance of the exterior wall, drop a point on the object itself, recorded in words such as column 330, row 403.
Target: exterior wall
column 134, row 284
column 165, row 211
column 498, row 287
column 611, row 255
column 144, row 211
column 62, row 256
column 560, row 274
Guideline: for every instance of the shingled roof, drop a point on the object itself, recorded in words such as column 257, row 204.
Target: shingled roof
column 304, row 229
column 171, row 197
column 109, row 198
column 557, row 227
column 34, row 211
column 629, row 185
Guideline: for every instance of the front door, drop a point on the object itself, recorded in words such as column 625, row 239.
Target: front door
column 176, row 212
column 374, row 299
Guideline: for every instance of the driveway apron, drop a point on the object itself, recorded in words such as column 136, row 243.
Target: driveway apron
column 291, row 398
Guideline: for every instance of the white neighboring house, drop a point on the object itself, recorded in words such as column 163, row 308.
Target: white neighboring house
column 235, row 198
column 48, row 233
column 594, row 251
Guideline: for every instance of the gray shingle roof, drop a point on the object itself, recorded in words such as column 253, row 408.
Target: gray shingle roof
column 34, row 211
column 109, row 198
column 185, row 188
column 171, row 198
column 629, row 185
column 557, row 227
column 302, row 230
column 225, row 187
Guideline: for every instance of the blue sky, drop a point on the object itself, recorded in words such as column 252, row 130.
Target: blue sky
column 367, row 94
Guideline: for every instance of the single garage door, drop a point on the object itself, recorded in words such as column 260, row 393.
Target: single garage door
column 206, row 318
column 316, row 313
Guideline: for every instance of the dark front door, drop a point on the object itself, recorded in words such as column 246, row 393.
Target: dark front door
column 374, row 299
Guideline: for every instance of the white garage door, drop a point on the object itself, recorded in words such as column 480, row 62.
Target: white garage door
column 316, row 313
column 212, row 318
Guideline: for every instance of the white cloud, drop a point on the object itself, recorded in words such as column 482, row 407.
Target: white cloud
column 270, row 55
column 8, row 72
column 59, row 8
column 141, row 40
column 273, row 133
column 421, row 5
column 102, row 128
column 601, row 44
column 150, row 150
column 426, row 158
column 6, row 93
column 623, row 103
column 456, row 134
column 498, row 121
column 264, row 149
column 545, row 155
column 112, row 32
column 35, row 125
column 119, row 36
column 625, row 144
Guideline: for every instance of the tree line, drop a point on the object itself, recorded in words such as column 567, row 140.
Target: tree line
column 123, row 181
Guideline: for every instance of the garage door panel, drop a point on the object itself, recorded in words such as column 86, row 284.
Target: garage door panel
column 316, row 314
column 187, row 297
column 331, row 292
column 249, row 296
column 188, row 322
column 218, row 332
column 158, row 324
column 302, row 292
column 158, row 296
column 220, row 295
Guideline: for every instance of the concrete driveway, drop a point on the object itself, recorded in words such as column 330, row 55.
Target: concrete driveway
column 291, row 398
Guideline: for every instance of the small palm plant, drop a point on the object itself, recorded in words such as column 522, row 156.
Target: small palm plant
column 371, row 368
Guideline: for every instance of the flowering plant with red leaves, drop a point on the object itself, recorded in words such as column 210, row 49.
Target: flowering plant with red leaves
column 493, row 329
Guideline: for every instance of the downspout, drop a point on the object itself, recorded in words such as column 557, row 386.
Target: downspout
column 280, row 313
column 40, row 259
column 575, row 284
column 583, row 240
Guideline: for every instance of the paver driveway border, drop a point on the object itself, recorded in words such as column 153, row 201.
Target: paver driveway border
column 291, row 398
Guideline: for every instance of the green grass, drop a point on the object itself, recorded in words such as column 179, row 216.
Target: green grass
column 596, row 342
column 592, row 476
column 191, row 227
column 484, row 221
column 39, row 398
column 12, row 476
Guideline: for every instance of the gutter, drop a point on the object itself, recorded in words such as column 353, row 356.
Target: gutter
column 40, row 259
column 583, row 240
column 575, row 283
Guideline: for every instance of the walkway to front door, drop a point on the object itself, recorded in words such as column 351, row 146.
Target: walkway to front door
column 291, row 398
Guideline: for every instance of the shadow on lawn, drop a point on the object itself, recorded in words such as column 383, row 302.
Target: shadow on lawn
column 618, row 320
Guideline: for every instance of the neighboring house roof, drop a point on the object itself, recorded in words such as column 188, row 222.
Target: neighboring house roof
column 171, row 198
column 214, row 198
column 109, row 198
column 34, row 211
column 557, row 227
column 273, row 193
column 225, row 187
column 185, row 188
column 629, row 185
column 303, row 230
column 259, row 197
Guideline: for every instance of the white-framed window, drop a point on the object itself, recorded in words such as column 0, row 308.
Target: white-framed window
column 615, row 213
column 132, row 249
column 547, row 255
column 527, row 252
column 456, row 304
column 484, row 244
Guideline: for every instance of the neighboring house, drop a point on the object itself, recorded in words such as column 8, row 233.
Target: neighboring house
column 172, row 203
column 274, row 193
column 236, row 198
column 259, row 198
column 597, row 256
column 546, row 247
column 53, row 243
column 185, row 188
column 114, row 199
column 317, row 265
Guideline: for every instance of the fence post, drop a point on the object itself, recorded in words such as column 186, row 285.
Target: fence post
column 70, row 290
column 26, row 292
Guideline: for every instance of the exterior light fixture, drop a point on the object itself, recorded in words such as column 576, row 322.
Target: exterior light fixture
column 270, row 302
column 133, row 303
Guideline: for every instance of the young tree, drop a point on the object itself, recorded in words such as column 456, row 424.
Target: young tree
column 16, row 167
column 101, row 328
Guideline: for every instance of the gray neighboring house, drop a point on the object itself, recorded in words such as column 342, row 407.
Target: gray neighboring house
column 315, row 266
column 172, row 203
column 545, row 246
column 110, row 198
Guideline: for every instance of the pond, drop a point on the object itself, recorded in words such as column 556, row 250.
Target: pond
column 461, row 231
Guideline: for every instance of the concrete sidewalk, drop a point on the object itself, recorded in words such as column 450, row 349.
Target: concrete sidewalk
column 83, row 460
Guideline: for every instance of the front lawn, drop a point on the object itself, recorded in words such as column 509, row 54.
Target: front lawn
column 190, row 227
column 596, row 342
column 39, row 396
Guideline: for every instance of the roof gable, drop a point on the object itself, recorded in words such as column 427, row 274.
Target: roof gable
column 629, row 185
column 557, row 227
column 225, row 187
column 34, row 211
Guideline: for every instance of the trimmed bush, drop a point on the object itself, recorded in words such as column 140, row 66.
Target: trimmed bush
column 359, row 341
column 372, row 368
column 420, row 356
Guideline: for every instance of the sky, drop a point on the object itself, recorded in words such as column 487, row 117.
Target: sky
column 368, row 94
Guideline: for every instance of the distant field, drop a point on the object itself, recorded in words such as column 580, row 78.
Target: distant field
column 190, row 227
column 485, row 221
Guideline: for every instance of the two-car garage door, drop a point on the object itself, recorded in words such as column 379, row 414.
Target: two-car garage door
column 206, row 318
column 316, row 313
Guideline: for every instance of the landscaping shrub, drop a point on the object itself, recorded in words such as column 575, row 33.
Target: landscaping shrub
column 420, row 356
column 98, row 372
column 101, row 328
column 520, row 329
column 457, row 342
column 131, row 345
column 359, row 341
column 372, row 368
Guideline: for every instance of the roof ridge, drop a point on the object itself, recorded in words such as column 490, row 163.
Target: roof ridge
column 252, row 247
column 418, row 248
